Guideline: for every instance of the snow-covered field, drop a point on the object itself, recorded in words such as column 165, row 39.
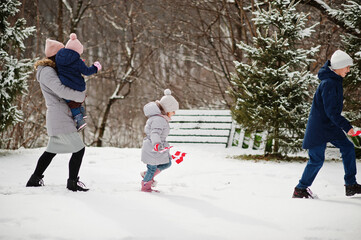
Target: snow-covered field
column 208, row 196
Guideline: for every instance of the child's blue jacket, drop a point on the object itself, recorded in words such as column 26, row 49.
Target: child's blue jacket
column 71, row 67
column 325, row 122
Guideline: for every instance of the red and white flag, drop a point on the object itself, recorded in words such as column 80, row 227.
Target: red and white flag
column 178, row 157
column 356, row 134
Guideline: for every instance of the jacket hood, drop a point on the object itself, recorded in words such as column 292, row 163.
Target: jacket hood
column 66, row 57
column 44, row 62
column 326, row 73
column 151, row 109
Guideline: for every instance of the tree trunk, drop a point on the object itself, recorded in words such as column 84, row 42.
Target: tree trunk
column 113, row 99
column 276, row 140
column 59, row 21
column 101, row 131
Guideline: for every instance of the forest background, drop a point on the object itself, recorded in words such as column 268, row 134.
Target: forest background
column 145, row 47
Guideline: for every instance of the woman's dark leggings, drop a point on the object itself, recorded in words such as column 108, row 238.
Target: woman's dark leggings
column 74, row 163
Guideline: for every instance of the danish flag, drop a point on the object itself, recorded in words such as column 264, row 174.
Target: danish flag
column 178, row 157
column 356, row 134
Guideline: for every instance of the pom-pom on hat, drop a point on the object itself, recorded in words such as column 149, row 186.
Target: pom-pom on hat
column 168, row 102
column 52, row 47
column 340, row 59
column 74, row 44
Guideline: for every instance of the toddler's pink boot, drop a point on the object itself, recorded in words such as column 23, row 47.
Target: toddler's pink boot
column 155, row 174
column 147, row 186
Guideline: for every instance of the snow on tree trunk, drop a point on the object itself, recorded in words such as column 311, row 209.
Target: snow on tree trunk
column 272, row 90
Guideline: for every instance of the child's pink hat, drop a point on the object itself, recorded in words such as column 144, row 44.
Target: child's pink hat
column 74, row 44
column 52, row 47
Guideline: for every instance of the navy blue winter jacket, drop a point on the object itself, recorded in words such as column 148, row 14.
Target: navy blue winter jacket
column 71, row 67
column 325, row 122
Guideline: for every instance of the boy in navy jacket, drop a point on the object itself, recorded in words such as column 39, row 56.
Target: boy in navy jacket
column 326, row 124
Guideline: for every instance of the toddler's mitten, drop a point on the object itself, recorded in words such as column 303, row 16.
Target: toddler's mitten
column 98, row 65
column 158, row 147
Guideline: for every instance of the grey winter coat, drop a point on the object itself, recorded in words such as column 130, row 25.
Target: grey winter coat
column 58, row 115
column 157, row 130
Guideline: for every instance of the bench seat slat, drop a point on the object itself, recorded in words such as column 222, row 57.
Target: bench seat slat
column 199, row 132
column 200, row 125
column 197, row 139
column 203, row 112
column 176, row 118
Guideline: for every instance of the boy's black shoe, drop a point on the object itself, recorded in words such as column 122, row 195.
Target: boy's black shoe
column 302, row 193
column 353, row 189
column 75, row 185
column 35, row 181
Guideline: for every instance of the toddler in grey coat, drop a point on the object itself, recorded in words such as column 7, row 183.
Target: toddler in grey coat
column 154, row 150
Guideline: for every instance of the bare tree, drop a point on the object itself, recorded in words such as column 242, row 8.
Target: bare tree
column 76, row 10
column 207, row 34
column 127, row 56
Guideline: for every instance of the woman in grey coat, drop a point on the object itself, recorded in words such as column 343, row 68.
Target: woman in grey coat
column 154, row 151
column 63, row 136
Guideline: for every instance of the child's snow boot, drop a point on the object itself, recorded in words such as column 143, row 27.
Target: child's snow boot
column 82, row 111
column 155, row 174
column 75, row 185
column 80, row 122
column 353, row 189
column 35, row 181
column 147, row 187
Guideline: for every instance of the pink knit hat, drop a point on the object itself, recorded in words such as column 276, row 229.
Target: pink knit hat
column 74, row 44
column 52, row 47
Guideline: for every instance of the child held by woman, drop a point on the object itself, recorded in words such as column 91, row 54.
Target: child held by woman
column 70, row 68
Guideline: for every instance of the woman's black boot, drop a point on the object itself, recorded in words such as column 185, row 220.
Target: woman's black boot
column 35, row 181
column 76, row 185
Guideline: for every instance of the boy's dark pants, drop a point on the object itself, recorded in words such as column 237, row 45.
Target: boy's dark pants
column 317, row 158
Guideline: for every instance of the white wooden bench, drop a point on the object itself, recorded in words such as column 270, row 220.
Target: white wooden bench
column 207, row 127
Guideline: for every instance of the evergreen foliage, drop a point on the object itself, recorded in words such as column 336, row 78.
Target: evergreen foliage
column 13, row 70
column 350, row 14
column 272, row 91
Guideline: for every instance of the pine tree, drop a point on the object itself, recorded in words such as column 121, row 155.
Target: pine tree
column 272, row 91
column 13, row 71
column 350, row 14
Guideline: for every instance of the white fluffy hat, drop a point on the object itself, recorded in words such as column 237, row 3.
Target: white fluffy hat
column 340, row 59
column 168, row 102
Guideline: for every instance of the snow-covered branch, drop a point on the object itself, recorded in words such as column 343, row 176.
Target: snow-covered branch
column 332, row 15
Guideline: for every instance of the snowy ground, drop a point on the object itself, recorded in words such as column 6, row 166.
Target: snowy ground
column 208, row 196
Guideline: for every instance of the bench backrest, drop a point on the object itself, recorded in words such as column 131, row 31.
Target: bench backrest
column 211, row 127
column 201, row 126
